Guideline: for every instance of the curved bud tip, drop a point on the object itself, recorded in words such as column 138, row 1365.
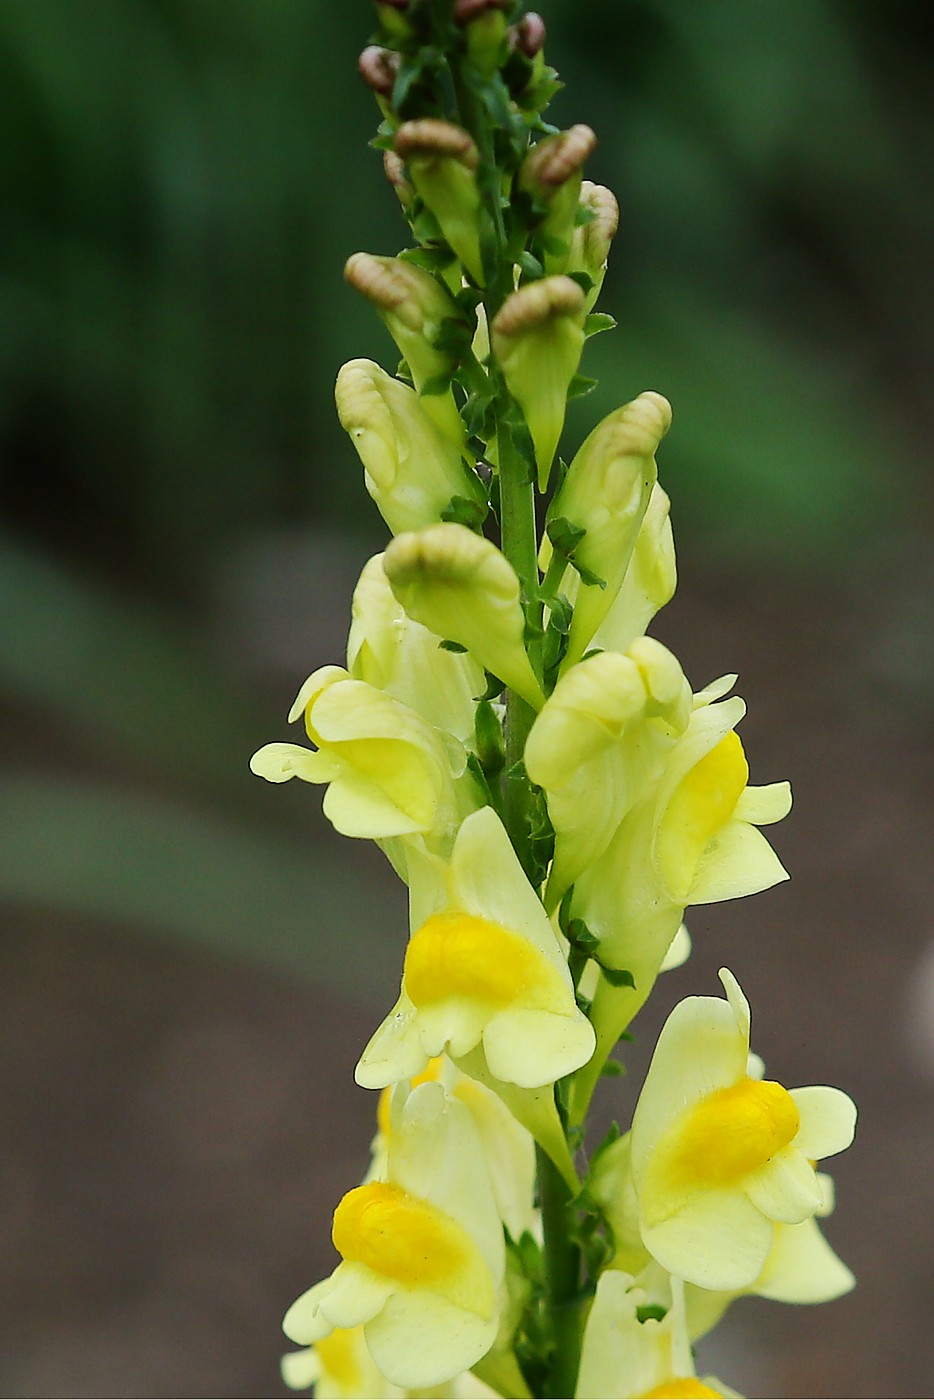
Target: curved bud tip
column 530, row 34
column 377, row 279
column 394, row 170
column 652, row 413
column 431, row 137
column 378, row 68
column 604, row 206
column 537, row 302
column 555, row 159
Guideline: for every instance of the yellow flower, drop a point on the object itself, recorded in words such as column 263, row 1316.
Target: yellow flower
column 422, row 1252
column 508, row 1147
column 693, row 839
column 484, row 968
column 601, row 738
column 411, row 469
column 391, row 651
column 625, row 1359
column 339, row 1367
column 800, row 1267
column 719, row 1158
column 462, row 588
column 388, row 771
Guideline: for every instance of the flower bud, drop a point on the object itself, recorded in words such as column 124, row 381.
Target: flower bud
column 459, row 586
column 442, row 161
column 537, row 337
column 411, row 469
column 590, row 242
column 378, row 68
column 414, row 306
column 605, row 494
column 530, row 34
column 551, row 173
column 649, row 582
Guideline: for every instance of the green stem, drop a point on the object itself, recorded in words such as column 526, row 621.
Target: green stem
column 562, row 1276
column 555, row 572
column 519, row 544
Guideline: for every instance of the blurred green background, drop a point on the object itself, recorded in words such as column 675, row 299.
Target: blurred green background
column 183, row 521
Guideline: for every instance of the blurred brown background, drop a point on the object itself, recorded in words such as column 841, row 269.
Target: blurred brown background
column 190, row 961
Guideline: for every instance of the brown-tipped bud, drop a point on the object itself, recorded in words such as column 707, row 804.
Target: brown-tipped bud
column 530, row 34
column 378, row 68
column 551, row 173
column 442, row 161
column 553, row 162
column 413, row 306
column 395, row 174
column 537, row 337
column 431, row 137
column 467, row 10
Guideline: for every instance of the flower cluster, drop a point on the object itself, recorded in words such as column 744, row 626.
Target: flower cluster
column 554, row 794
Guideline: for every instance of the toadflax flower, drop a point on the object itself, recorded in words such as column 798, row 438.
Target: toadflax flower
column 339, row 1367
column 422, row 1256
column 391, row 651
column 484, row 968
column 388, row 771
column 692, row 839
column 601, row 737
column 719, row 1158
column 800, row 1267
column 508, row 1147
column 624, row 1358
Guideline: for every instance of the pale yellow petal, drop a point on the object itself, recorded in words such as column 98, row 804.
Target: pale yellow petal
column 828, row 1120
column 718, row 1239
column 421, row 1340
column 533, row 1048
column 802, row 1267
column 764, row 805
column 786, row 1188
column 736, row 862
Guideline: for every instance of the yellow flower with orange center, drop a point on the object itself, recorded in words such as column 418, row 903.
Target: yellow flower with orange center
column 422, row 1257
column 720, row 1159
column 485, row 969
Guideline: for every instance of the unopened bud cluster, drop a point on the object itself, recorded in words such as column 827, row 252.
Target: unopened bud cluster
column 553, row 792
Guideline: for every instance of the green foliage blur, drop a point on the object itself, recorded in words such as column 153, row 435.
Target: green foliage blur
column 183, row 180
